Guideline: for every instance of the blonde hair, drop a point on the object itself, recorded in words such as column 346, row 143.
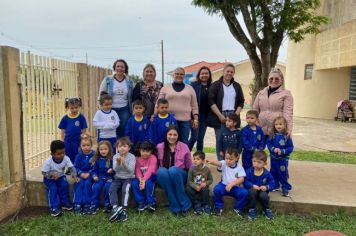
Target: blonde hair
column 276, row 70
column 97, row 154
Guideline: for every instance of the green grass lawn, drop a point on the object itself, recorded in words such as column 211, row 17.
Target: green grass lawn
column 331, row 157
column 164, row 223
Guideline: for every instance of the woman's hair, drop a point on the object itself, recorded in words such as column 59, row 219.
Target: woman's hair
column 229, row 65
column 204, row 68
column 97, row 153
column 273, row 130
column 124, row 62
column 104, row 96
column 148, row 66
column 277, row 71
column 167, row 150
column 146, row 146
column 74, row 101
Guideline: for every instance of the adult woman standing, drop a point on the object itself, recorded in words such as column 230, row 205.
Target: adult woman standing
column 148, row 89
column 174, row 159
column 273, row 101
column 119, row 87
column 225, row 97
column 182, row 102
column 201, row 86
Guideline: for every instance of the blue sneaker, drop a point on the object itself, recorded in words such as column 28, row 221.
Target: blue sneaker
column 123, row 216
column 86, row 209
column 207, row 210
column 285, row 193
column 268, row 214
column 198, row 210
column 77, row 209
column 67, row 207
column 115, row 213
column 141, row 207
column 151, row 207
column 55, row 212
column 93, row 210
column 252, row 214
column 238, row 212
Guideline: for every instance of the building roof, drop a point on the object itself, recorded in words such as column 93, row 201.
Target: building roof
column 196, row 66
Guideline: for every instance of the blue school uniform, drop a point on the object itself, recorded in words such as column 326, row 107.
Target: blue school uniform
column 82, row 190
column 159, row 126
column 229, row 139
column 137, row 131
column 251, row 140
column 73, row 127
column 279, row 163
column 100, row 169
column 265, row 179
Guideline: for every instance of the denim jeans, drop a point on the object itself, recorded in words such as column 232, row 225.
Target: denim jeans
column 197, row 135
column 184, row 130
column 124, row 115
column 173, row 182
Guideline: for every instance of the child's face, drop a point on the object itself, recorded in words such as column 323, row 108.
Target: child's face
column 197, row 161
column 251, row 120
column 231, row 160
column 258, row 164
column 123, row 148
column 138, row 110
column 58, row 155
column 162, row 109
column 104, row 150
column 73, row 109
column 107, row 105
column 230, row 124
column 85, row 145
column 145, row 153
column 172, row 136
column 280, row 126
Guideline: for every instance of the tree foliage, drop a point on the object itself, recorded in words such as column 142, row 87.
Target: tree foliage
column 266, row 23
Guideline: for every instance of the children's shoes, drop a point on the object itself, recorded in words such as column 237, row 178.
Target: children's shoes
column 207, row 210
column 238, row 212
column 285, row 193
column 151, row 207
column 141, row 207
column 218, row 212
column 55, row 212
column 252, row 214
column 198, row 209
column 67, row 207
column 78, row 209
column 268, row 214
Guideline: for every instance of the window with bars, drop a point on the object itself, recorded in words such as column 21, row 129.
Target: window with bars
column 352, row 92
column 308, row 71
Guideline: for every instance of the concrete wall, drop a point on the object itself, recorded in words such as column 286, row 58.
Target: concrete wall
column 11, row 158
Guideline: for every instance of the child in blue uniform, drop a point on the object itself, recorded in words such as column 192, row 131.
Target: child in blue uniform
column 55, row 180
column 106, row 120
column 253, row 138
column 231, row 136
column 102, row 174
column 280, row 147
column 161, row 122
column 138, row 125
column 72, row 126
column 259, row 182
column 82, row 189
column 233, row 176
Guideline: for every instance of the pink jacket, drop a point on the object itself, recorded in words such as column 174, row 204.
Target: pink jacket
column 182, row 158
column 279, row 103
column 145, row 168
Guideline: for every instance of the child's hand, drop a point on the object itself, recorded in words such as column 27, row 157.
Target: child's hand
column 263, row 188
column 278, row 151
column 228, row 187
column 109, row 171
column 256, row 187
column 55, row 176
column 95, row 178
column 203, row 185
column 221, row 154
column 77, row 179
column 142, row 184
column 84, row 175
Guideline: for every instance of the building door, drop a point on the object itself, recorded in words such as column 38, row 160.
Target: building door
column 352, row 94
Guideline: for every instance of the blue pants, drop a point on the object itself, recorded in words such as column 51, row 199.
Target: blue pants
column 112, row 141
column 147, row 195
column 124, row 115
column 184, row 130
column 240, row 195
column 279, row 171
column 57, row 192
column 197, row 135
column 173, row 182
column 96, row 191
column 246, row 159
column 72, row 147
column 82, row 192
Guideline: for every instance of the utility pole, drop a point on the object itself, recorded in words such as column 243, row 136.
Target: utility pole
column 162, row 61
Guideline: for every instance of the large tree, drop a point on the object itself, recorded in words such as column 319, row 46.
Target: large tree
column 267, row 23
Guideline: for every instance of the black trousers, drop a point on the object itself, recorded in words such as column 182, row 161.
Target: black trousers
column 257, row 195
column 198, row 198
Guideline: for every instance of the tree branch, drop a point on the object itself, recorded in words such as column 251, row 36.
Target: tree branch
column 250, row 25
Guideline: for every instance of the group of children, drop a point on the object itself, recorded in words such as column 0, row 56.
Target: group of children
column 114, row 167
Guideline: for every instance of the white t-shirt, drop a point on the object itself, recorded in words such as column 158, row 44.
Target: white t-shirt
column 120, row 94
column 229, row 174
column 50, row 166
column 106, row 122
column 229, row 98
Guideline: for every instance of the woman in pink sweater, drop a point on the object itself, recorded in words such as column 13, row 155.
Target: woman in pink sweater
column 182, row 103
column 174, row 159
column 144, row 183
column 274, row 101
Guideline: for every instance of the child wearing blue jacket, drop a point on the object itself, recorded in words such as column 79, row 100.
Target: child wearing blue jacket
column 253, row 138
column 137, row 128
column 82, row 189
column 280, row 147
column 102, row 175
column 259, row 182
column 161, row 122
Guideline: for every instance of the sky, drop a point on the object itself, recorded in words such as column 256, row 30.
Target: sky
column 99, row 32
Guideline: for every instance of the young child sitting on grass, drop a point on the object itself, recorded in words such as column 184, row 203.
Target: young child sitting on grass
column 55, row 179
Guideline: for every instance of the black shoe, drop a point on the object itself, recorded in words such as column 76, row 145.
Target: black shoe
column 141, row 207
column 218, row 212
column 115, row 213
column 238, row 212
column 92, row 210
column 67, row 207
column 151, row 207
column 77, row 209
column 107, row 209
column 123, row 216
column 198, row 210
column 285, row 193
column 55, row 212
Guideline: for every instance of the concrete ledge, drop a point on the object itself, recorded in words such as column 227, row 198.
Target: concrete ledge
column 10, row 199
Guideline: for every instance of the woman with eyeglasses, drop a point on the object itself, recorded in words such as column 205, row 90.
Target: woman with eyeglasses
column 182, row 103
column 274, row 101
column 119, row 87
